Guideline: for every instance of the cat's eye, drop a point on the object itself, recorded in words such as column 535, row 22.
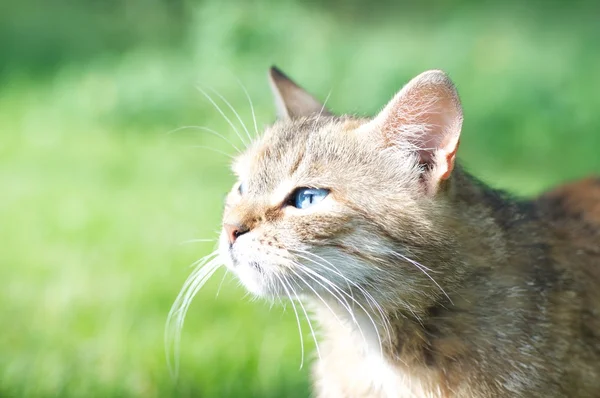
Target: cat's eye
column 302, row 198
column 241, row 188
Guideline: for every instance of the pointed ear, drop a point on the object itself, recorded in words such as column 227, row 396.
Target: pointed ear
column 425, row 118
column 291, row 100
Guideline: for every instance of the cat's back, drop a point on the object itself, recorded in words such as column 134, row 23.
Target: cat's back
column 573, row 211
column 571, row 215
column 558, row 243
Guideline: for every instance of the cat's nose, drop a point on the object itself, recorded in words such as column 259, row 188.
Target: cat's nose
column 234, row 231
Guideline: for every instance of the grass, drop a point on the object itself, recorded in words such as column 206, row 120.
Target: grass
column 97, row 198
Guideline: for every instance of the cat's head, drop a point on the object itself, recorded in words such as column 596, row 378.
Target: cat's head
column 329, row 204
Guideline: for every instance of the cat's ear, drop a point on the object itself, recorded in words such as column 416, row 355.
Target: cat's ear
column 291, row 100
column 424, row 117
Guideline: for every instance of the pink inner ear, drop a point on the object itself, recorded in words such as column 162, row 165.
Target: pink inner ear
column 426, row 117
column 450, row 162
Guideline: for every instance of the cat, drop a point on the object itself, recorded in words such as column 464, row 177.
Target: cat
column 424, row 281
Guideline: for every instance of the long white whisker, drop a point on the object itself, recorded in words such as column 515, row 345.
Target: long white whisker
column 386, row 323
column 194, row 282
column 424, row 269
column 348, row 282
column 251, row 106
column 297, row 318
column 322, row 109
column 201, row 261
column 343, row 301
column 208, row 130
column 234, row 112
column 338, row 298
column 308, row 273
column 300, row 266
column 369, row 298
column 221, row 283
column 212, row 149
column 208, row 97
column 354, row 300
column 405, row 257
column 185, row 242
column 310, row 326
column 337, row 272
column 176, row 317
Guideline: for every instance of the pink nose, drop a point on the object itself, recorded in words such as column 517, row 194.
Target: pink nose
column 234, row 231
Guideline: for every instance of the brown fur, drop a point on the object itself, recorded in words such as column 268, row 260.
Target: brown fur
column 508, row 304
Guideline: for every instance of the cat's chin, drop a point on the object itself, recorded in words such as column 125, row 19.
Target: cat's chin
column 252, row 279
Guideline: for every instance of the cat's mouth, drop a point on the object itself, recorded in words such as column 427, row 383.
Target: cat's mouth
column 256, row 266
column 236, row 262
column 265, row 279
column 253, row 274
column 252, row 264
column 277, row 274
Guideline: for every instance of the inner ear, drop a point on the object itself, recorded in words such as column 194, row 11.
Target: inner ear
column 291, row 100
column 424, row 118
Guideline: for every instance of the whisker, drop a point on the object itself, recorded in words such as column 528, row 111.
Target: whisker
column 368, row 297
column 424, row 269
column 185, row 242
column 308, row 273
column 339, row 299
column 386, row 323
column 221, row 283
column 203, row 260
column 297, row 319
column 343, row 301
column 208, row 97
column 251, row 106
column 310, row 326
column 315, row 292
column 353, row 299
column 213, row 149
column 176, row 317
column 208, row 130
column 322, row 109
column 234, row 112
column 405, row 257
column 192, row 285
column 337, row 272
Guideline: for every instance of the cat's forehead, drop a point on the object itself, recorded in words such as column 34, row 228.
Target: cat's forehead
column 284, row 148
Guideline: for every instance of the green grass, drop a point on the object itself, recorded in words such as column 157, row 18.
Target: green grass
column 96, row 198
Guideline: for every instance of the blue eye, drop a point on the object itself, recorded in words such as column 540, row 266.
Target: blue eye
column 306, row 197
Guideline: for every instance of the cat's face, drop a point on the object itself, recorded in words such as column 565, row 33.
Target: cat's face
column 325, row 205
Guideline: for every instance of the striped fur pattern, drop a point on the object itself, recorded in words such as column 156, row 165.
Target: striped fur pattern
column 424, row 282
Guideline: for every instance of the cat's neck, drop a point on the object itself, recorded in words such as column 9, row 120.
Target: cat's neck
column 471, row 197
column 487, row 225
column 491, row 224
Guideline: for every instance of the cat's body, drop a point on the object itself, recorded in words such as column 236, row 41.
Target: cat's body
column 425, row 282
column 525, row 321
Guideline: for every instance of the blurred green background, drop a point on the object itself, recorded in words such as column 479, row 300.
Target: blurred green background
column 96, row 197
